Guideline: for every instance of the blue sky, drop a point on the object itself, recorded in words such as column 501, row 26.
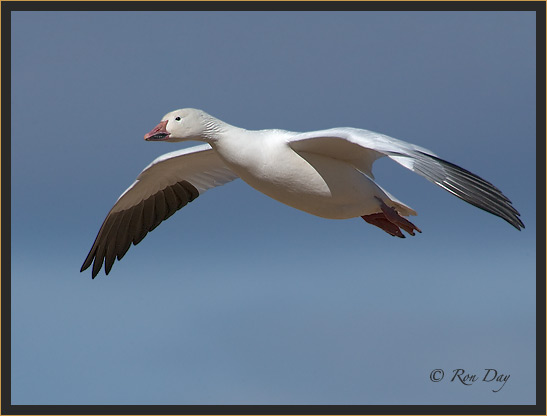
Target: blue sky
column 238, row 299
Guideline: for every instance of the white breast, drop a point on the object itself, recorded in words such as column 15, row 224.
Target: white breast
column 313, row 183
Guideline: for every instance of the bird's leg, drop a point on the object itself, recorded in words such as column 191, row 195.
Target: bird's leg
column 389, row 220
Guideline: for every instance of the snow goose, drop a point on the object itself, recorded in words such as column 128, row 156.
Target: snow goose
column 327, row 173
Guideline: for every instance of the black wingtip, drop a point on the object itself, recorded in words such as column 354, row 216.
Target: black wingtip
column 519, row 225
column 469, row 187
column 85, row 266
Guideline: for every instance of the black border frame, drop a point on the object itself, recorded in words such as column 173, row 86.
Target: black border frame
column 8, row 409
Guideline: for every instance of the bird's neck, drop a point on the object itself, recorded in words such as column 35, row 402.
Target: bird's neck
column 217, row 130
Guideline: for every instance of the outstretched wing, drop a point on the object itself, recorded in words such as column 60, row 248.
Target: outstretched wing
column 362, row 147
column 162, row 188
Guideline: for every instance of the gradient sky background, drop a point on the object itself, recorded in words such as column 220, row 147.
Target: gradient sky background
column 238, row 299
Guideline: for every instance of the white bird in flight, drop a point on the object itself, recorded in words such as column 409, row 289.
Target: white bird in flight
column 327, row 173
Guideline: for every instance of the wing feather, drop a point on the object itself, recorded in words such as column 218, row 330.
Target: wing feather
column 163, row 187
column 362, row 147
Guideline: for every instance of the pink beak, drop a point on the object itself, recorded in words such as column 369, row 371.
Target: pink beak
column 158, row 133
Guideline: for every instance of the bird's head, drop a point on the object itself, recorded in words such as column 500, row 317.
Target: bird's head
column 178, row 126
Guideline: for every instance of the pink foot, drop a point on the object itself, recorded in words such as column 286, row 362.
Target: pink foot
column 389, row 220
column 380, row 220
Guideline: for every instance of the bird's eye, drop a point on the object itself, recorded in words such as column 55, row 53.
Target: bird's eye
column 177, row 118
